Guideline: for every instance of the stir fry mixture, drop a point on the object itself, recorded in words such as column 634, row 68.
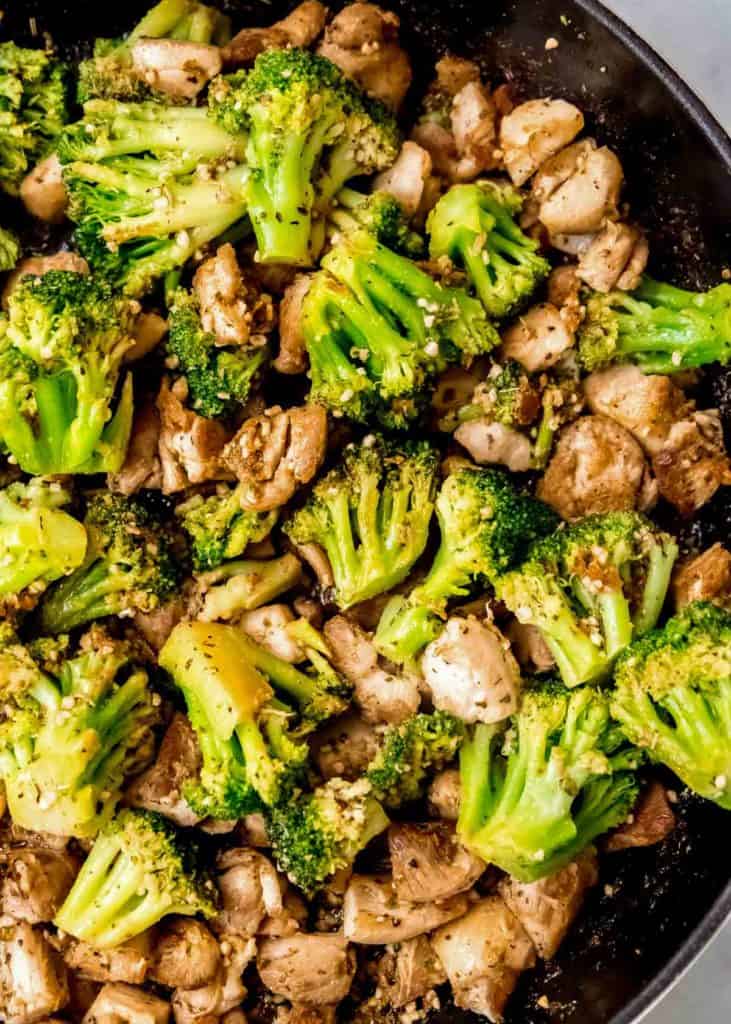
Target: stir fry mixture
column 338, row 641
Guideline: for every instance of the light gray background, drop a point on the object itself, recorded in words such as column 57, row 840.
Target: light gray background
column 694, row 36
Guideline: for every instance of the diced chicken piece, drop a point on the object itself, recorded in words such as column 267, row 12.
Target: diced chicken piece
column 160, row 787
column 471, row 672
column 178, row 68
column 652, row 820
column 304, row 24
column 564, row 292
column 35, row 882
column 494, row 444
column 453, row 74
column 299, row 1013
column 615, row 258
column 126, row 1004
column 577, row 190
column 597, row 466
column 310, row 969
column 128, row 963
column 190, row 446
column 156, row 626
column 354, row 654
column 645, row 404
column 692, row 464
column 316, row 557
column 290, row 919
column 268, row 626
column 234, row 313
column 474, row 127
column 209, row 1003
column 277, row 452
column 429, row 863
column 43, row 192
column 186, row 954
column 345, row 747
column 441, row 146
column 292, row 357
column 374, row 915
column 300, row 28
column 444, row 794
column 405, row 180
column 33, row 981
column 37, row 266
column 529, row 647
column 141, row 467
column 452, row 390
column 410, row 971
column 705, row 577
column 538, row 338
column 484, row 954
column 362, row 39
column 148, row 331
column 535, row 131
column 251, row 890
column 547, row 908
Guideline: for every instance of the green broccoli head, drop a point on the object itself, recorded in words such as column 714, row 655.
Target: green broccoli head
column 591, row 588
column 70, row 739
column 249, row 757
column 378, row 213
column 39, row 542
column 219, row 528
column 411, row 753
column 130, row 565
column 672, row 697
column 219, row 378
column 371, row 515
column 139, row 870
column 533, row 798
column 61, row 353
column 319, row 833
column 474, row 225
column 33, row 110
column 660, row 328
column 309, row 131
column 9, row 249
column 485, row 525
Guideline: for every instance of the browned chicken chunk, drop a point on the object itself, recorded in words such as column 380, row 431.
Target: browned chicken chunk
column 43, row 192
column 615, row 258
column 373, row 913
column 141, row 467
column 494, row 444
column 148, row 331
column 251, row 890
column 474, row 127
column 409, row 971
column 692, row 464
column 645, row 404
column 577, row 190
column 529, row 647
column 310, row 969
column 225, row 993
column 301, row 27
column 127, row 1004
column 231, row 309
column 190, row 446
column 651, row 821
column 269, row 627
column 538, row 338
column 35, row 882
column 705, row 577
column 185, row 955
column 177, row 68
column 564, row 292
column 405, row 181
column 292, row 357
column 159, row 788
column 429, row 863
column 344, row 748
column 444, row 794
column 535, row 131
column 128, row 963
column 299, row 1013
column 157, row 625
column 33, row 981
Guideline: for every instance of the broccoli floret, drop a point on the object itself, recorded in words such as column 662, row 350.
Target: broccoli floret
column 378, row 213
column 9, row 249
column 672, row 697
column 533, row 798
column 139, row 870
column 378, row 327
column 219, row 377
column 591, row 589
column 219, row 527
column 410, row 753
column 39, row 542
column 110, row 74
column 245, row 584
column 485, row 526
column 371, row 515
column 61, row 352
column 319, row 833
column 660, row 328
column 474, row 225
column 70, row 740
column 130, row 565
column 249, row 757
column 33, row 110
column 309, row 131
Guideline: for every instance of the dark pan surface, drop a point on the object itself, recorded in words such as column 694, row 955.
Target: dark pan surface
column 654, row 909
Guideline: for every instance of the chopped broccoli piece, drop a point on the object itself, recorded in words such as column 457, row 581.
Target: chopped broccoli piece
column 371, row 515
column 33, row 110
column 317, row 834
column 219, row 377
column 533, row 798
column 69, row 740
column 39, row 542
column 130, row 565
column 485, row 526
column 139, row 870
column 219, row 527
column 660, row 328
column 61, row 353
column 9, row 249
column 246, row 584
column 249, row 758
column 591, row 589
column 410, row 753
column 672, row 697
column 309, row 131
column 474, row 225
column 380, row 215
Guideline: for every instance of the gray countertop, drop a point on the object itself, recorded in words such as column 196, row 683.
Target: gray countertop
column 695, row 38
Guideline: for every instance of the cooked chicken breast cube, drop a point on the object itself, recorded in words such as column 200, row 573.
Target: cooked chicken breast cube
column 178, row 68
column 474, row 127
column 251, row 890
column 651, row 821
column 33, row 982
column 190, row 447
column 230, row 310
column 692, row 464
column 310, row 969
column 405, row 180
column 538, row 338
column 268, row 627
column 126, row 1004
column 186, row 954
column 344, row 748
column 577, row 190
column 128, row 963
column 301, row 27
column 410, row 971
column 494, row 444
column 292, row 357
column 373, row 913
column 160, row 787
column 43, row 192
column 444, row 794
column 535, row 131
column 706, row 577
column 529, row 647
column 224, row 993
column 429, row 863
column 141, row 467
column 615, row 258
column 35, row 882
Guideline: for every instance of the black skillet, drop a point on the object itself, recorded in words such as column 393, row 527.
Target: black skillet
column 654, row 909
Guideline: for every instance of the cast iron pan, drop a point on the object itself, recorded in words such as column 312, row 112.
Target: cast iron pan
column 654, row 909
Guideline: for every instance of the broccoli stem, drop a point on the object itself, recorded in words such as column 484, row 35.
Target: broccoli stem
column 478, row 788
column 578, row 658
column 659, row 569
column 87, row 594
column 260, row 769
column 616, row 621
column 280, row 673
column 160, row 20
column 405, row 629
